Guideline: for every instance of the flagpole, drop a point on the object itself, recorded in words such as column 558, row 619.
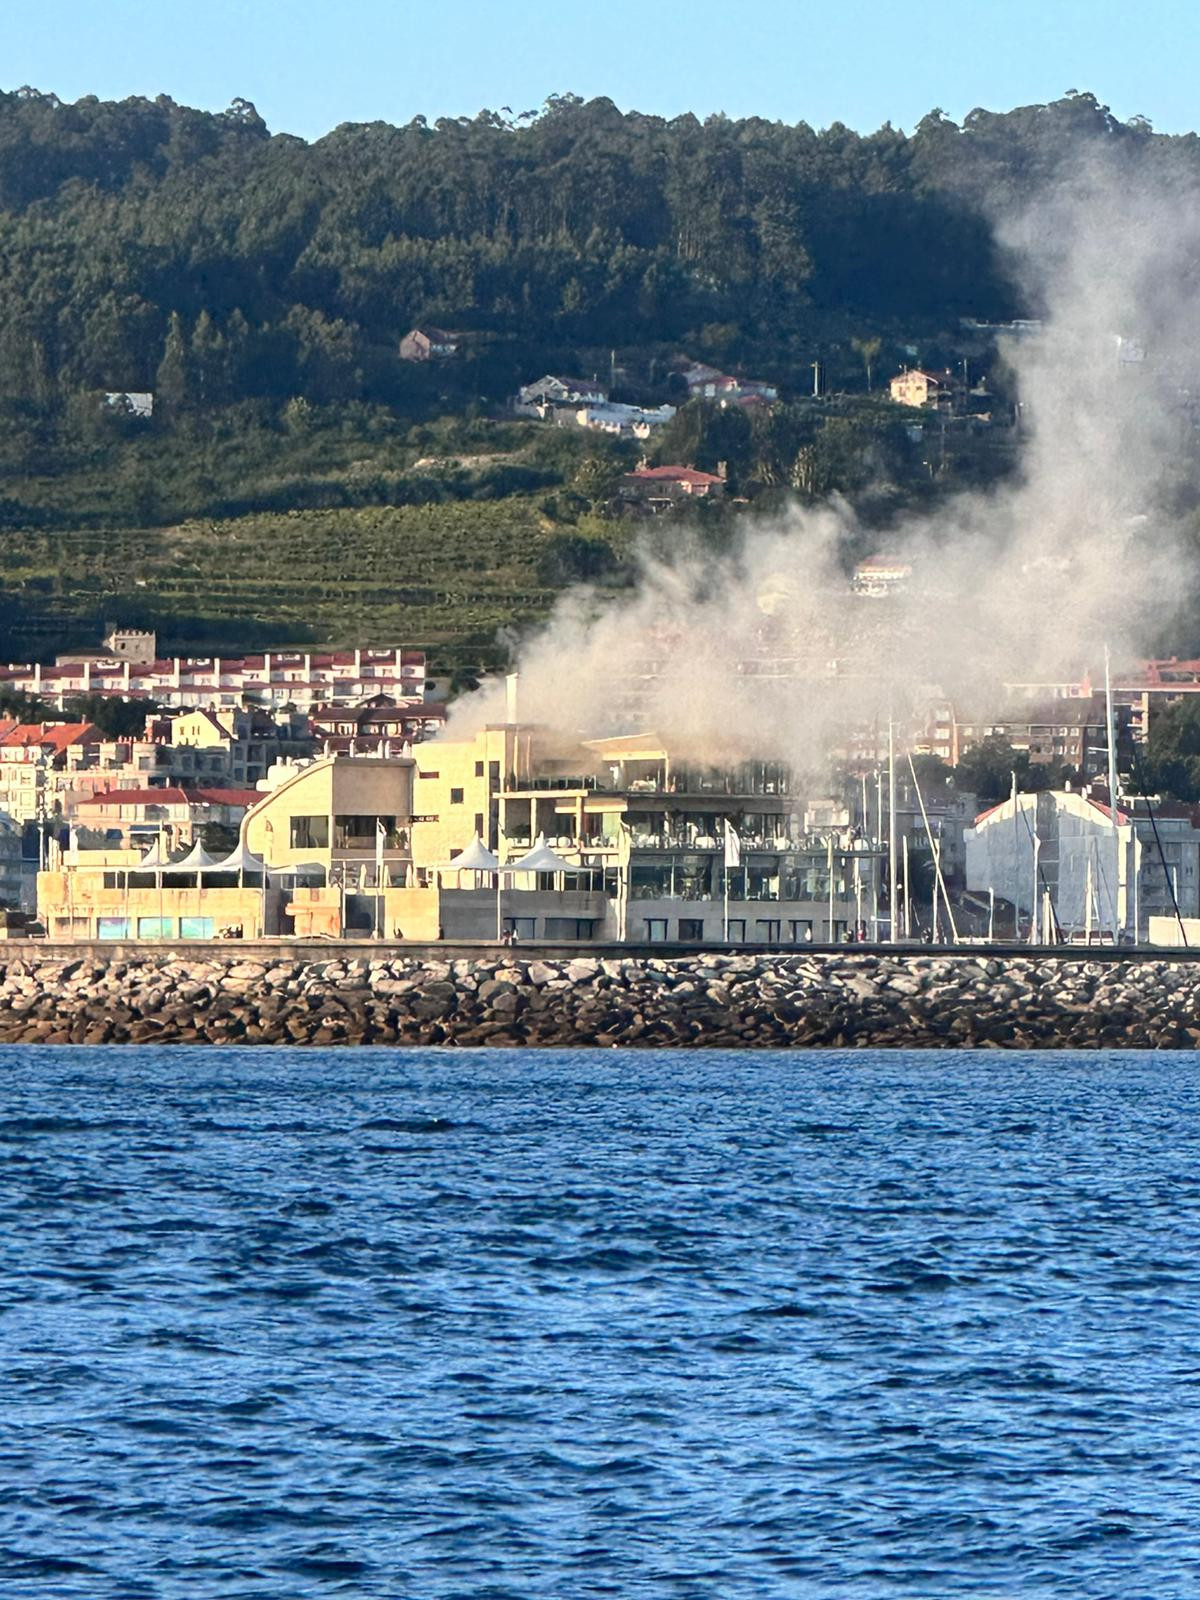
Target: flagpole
column 830, row 933
column 379, row 838
column 893, row 898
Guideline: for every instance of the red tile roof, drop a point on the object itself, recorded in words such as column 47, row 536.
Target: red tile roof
column 174, row 795
column 58, row 735
column 170, row 795
column 674, row 475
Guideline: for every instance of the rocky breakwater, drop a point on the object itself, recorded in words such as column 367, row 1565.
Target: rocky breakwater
column 498, row 998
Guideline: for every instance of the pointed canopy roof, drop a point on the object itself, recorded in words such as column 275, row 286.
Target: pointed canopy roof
column 156, row 856
column 475, row 858
column 542, row 859
column 196, row 860
column 241, row 860
column 299, row 869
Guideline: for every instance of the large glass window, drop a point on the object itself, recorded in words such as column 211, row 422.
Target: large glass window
column 691, row 930
column 568, row 928
column 113, row 928
column 656, row 930
column 310, row 833
column 355, row 832
column 195, row 927
column 155, row 927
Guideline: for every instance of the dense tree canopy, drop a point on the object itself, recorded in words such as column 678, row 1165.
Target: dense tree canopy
column 144, row 243
column 260, row 286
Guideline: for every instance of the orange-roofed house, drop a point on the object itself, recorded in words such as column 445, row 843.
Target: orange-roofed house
column 657, row 489
column 131, row 816
column 31, row 754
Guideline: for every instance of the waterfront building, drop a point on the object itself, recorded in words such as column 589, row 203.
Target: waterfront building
column 647, row 834
column 1064, row 853
column 626, row 842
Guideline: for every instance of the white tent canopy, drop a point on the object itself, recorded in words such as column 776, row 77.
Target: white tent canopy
column 475, row 858
column 155, row 858
column 298, row 869
column 196, row 860
column 542, row 859
column 241, row 860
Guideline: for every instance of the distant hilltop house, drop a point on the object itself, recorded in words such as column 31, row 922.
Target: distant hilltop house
column 584, row 403
column 878, row 576
column 130, row 403
column 708, row 383
column 658, row 489
column 608, row 416
column 930, row 391
column 428, row 344
column 540, row 398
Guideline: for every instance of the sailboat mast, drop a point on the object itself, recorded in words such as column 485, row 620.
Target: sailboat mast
column 1112, row 797
column 893, row 885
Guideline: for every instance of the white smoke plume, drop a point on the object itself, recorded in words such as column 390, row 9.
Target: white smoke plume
column 766, row 653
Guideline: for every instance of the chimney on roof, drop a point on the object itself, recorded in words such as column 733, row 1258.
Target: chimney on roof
column 510, row 698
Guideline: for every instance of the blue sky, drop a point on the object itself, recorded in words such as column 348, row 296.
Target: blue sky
column 310, row 64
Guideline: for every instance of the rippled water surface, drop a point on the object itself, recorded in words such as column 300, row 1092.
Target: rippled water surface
column 598, row 1324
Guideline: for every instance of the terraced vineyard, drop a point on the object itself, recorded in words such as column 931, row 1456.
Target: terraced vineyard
column 444, row 576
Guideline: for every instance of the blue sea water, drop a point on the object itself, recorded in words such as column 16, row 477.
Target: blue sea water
column 565, row 1324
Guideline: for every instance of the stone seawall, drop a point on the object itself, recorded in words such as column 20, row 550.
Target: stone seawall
column 856, row 997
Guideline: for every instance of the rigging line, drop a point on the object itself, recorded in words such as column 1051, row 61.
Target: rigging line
column 1137, row 761
column 1058, row 933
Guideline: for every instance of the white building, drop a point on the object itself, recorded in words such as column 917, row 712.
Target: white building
column 1088, row 870
column 274, row 680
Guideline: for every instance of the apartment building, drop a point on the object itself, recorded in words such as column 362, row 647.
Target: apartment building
column 274, row 680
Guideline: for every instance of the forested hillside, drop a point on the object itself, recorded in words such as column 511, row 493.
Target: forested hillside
column 260, row 286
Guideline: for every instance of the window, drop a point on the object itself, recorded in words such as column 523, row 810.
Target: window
column 656, row 930
column 310, row 833
column 479, row 823
column 155, row 927
column 428, row 776
column 456, row 797
column 494, row 774
column 568, row 928
column 113, row 928
column 523, row 927
column 737, row 930
column 479, row 769
column 195, row 927
column 691, row 930
column 359, row 832
column 766, row 930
